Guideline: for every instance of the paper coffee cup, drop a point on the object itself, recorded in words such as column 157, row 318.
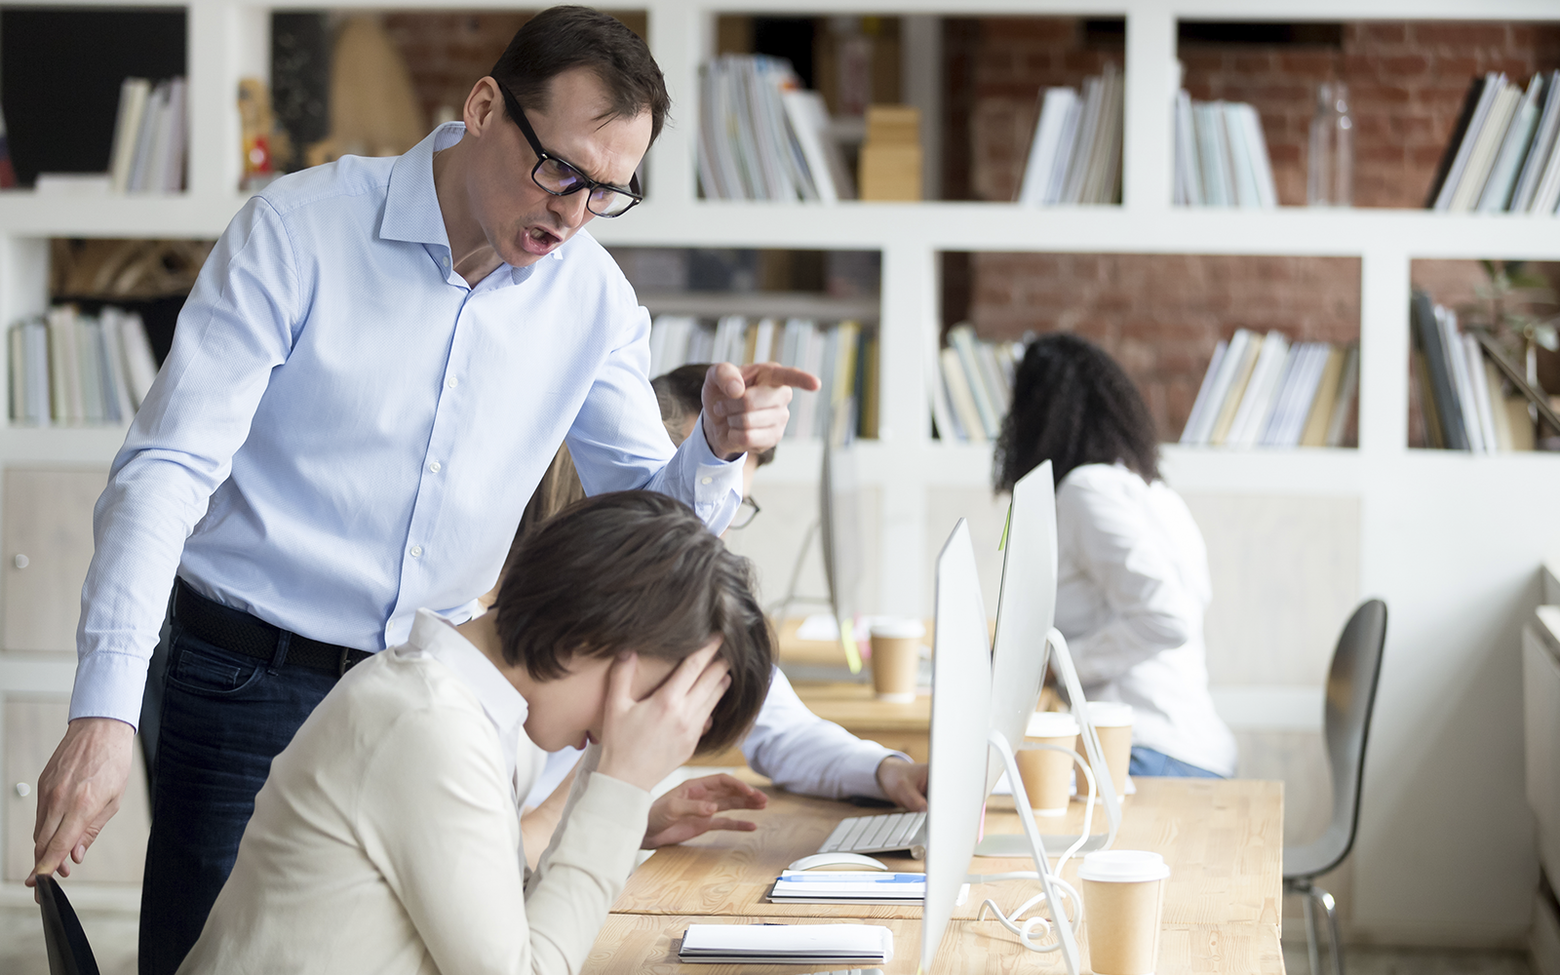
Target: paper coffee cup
column 1123, row 898
column 1046, row 773
column 896, row 659
column 1113, row 724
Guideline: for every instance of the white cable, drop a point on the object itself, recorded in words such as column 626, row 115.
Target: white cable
column 1026, row 928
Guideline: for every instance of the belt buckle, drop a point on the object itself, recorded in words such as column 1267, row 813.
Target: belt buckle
column 342, row 664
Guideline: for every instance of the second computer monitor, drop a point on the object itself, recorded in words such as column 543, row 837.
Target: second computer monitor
column 961, row 695
column 1025, row 610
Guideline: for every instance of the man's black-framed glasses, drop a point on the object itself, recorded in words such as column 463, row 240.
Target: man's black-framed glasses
column 562, row 179
column 746, row 512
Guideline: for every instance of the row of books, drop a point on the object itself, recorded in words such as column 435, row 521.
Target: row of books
column 843, row 356
column 1221, row 156
column 975, row 386
column 1076, row 153
column 1503, row 155
column 71, row 369
column 1462, row 386
column 763, row 137
column 1266, row 391
column 151, row 136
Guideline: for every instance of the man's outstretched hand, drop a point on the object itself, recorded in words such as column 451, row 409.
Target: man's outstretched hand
column 747, row 408
column 692, row 808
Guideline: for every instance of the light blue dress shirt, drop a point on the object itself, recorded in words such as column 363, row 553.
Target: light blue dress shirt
column 345, row 431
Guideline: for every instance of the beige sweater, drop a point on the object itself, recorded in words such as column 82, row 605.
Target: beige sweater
column 387, row 838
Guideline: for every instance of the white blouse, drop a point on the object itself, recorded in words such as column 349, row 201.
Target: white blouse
column 1132, row 585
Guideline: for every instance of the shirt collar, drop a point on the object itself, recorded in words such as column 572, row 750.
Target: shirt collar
column 500, row 701
column 412, row 211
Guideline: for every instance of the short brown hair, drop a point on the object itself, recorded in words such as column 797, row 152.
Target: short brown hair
column 562, row 38
column 679, row 393
column 636, row 570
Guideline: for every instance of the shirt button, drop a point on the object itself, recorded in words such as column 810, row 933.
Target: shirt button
column 416, row 551
column 452, row 382
column 435, row 467
column 706, row 480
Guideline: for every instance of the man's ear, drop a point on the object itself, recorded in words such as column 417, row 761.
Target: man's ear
column 484, row 105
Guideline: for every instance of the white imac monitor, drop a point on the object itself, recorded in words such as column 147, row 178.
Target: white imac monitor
column 961, row 692
column 1026, row 609
column 1025, row 642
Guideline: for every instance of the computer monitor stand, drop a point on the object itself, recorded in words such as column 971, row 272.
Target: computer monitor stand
column 1015, row 845
column 1034, row 846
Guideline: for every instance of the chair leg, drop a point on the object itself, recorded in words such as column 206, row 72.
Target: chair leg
column 1310, row 933
column 1329, row 906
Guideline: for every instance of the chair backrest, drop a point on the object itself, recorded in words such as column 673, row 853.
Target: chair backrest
column 69, row 953
column 1351, row 697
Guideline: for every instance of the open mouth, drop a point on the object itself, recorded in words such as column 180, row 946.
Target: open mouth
column 539, row 240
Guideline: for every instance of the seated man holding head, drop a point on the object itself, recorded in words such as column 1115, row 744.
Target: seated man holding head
column 790, row 745
column 387, row 838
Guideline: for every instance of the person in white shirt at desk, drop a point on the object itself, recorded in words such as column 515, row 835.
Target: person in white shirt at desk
column 387, row 838
column 1132, row 569
column 794, row 748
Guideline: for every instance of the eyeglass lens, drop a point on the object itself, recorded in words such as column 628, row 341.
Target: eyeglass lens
column 558, row 177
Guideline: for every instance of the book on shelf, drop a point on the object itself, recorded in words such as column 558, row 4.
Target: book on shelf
column 151, row 137
column 71, row 369
column 1470, row 397
column 841, row 355
column 1221, row 156
column 762, row 137
column 1075, row 156
column 1266, row 391
column 974, row 386
column 1501, row 157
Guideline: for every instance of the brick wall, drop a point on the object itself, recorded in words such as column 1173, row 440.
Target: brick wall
column 447, row 52
column 1406, row 80
column 1161, row 315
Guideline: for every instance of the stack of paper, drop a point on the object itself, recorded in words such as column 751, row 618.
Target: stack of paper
column 786, row 944
column 848, row 887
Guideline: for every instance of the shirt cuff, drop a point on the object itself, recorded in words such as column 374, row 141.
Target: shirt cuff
column 858, row 770
column 109, row 685
column 717, row 484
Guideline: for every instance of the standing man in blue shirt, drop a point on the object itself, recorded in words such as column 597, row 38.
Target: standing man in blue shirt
column 376, row 365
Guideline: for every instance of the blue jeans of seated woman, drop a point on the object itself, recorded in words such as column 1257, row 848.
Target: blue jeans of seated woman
column 1146, row 761
column 224, row 716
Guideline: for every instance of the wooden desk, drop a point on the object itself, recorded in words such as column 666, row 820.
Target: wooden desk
column 1223, row 841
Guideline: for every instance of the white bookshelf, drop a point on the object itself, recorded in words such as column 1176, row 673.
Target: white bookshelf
column 1450, row 540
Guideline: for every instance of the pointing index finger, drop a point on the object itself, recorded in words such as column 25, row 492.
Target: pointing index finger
column 774, row 374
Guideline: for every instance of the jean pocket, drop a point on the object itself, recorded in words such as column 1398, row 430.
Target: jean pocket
column 210, row 671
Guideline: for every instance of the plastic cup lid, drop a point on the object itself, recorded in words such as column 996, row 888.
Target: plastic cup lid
column 1051, row 724
column 1123, row 866
column 899, row 629
column 1110, row 714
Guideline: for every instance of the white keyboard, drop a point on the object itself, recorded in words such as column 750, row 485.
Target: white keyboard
column 879, row 834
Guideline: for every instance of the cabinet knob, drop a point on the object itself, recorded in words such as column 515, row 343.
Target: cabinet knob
column 23, row 789
column 21, row 561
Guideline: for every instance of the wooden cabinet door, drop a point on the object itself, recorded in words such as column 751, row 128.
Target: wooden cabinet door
column 32, row 728
column 47, row 519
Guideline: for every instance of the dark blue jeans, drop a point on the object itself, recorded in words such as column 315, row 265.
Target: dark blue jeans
column 1146, row 761
column 224, row 716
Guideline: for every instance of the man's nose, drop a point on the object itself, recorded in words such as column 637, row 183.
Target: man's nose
column 570, row 210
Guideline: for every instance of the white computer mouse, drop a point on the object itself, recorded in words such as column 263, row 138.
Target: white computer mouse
column 820, row 860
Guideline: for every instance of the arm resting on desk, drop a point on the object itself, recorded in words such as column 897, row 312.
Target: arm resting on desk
column 803, row 753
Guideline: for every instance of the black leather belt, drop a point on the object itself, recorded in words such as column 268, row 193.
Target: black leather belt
column 237, row 631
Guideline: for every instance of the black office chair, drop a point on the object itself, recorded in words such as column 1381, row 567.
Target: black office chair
column 69, row 953
column 1351, row 696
